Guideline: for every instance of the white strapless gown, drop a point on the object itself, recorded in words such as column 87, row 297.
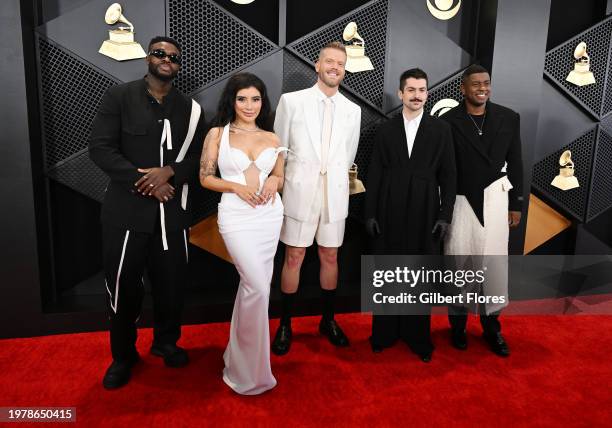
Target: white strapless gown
column 251, row 236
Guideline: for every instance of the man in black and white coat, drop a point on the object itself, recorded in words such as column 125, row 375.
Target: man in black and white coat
column 147, row 137
column 489, row 197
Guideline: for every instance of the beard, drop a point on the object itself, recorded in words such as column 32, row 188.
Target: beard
column 328, row 82
column 163, row 77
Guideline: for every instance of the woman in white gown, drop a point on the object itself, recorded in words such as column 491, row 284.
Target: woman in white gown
column 250, row 216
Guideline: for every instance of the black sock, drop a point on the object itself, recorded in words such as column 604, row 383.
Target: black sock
column 286, row 305
column 328, row 298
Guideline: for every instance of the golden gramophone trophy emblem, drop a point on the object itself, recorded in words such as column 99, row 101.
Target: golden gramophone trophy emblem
column 581, row 75
column 356, row 60
column 566, row 179
column 355, row 184
column 120, row 44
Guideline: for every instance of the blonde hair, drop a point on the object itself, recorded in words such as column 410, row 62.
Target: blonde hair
column 333, row 45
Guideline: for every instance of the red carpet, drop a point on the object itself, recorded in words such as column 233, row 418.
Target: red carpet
column 558, row 375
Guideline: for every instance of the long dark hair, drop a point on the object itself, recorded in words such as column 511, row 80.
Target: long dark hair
column 225, row 108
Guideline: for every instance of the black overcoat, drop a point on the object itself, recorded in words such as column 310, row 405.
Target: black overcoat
column 125, row 136
column 406, row 195
column 480, row 160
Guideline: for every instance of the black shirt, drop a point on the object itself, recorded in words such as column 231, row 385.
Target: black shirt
column 126, row 135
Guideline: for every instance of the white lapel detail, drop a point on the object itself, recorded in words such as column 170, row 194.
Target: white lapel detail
column 339, row 118
column 313, row 121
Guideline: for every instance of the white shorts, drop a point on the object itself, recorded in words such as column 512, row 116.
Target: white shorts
column 302, row 233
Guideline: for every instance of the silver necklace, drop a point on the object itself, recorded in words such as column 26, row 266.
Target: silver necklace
column 244, row 129
column 159, row 100
column 479, row 129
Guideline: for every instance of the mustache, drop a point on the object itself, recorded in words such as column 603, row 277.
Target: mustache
column 415, row 99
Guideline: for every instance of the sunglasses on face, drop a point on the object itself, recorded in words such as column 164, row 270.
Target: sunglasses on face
column 161, row 54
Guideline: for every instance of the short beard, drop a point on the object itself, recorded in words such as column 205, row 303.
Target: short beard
column 327, row 83
column 162, row 77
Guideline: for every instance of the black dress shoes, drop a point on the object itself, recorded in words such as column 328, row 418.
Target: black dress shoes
column 173, row 355
column 334, row 333
column 119, row 372
column 459, row 339
column 497, row 344
column 282, row 340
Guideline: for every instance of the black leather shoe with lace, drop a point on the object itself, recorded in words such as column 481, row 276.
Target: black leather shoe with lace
column 334, row 333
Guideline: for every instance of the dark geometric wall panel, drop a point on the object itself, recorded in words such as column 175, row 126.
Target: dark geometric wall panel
column 371, row 22
column 71, row 93
column 449, row 89
column 297, row 74
column 600, row 198
column 573, row 201
column 560, row 61
column 560, row 122
column 79, row 173
column 214, row 42
column 607, row 101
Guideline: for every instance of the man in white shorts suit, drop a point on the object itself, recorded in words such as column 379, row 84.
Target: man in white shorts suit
column 320, row 126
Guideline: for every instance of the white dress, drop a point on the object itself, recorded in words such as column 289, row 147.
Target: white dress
column 251, row 236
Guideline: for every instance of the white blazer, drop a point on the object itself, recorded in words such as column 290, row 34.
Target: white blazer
column 298, row 125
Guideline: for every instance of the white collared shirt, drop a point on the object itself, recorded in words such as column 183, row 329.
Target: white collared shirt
column 411, row 127
column 321, row 104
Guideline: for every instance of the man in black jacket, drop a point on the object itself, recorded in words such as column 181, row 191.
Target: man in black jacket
column 147, row 137
column 409, row 201
column 489, row 197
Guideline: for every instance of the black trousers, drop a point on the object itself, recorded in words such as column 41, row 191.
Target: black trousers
column 126, row 256
column 458, row 315
column 415, row 330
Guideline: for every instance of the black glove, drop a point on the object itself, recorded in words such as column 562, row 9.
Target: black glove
column 440, row 229
column 372, row 227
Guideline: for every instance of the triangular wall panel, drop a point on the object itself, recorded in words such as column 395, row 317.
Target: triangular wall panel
column 71, row 92
column 215, row 42
column 560, row 62
column 573, row 201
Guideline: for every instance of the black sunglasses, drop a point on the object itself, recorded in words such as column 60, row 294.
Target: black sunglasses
column 161, row 54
